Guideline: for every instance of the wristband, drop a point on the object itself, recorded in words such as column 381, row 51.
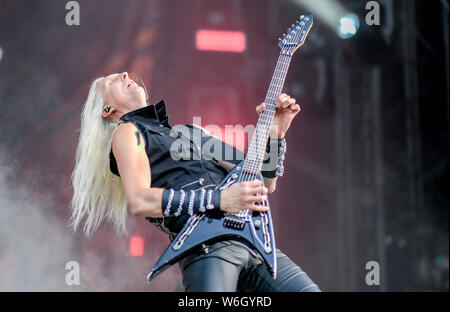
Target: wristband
column 175, row 203
column 273, row 146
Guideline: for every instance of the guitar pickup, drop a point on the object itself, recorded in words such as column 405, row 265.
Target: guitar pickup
column 234, row 223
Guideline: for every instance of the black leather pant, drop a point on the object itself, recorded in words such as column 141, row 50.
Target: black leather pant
column 230, row 266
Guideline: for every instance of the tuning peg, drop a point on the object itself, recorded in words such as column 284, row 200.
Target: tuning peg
column 279, row 39
column 302, row 16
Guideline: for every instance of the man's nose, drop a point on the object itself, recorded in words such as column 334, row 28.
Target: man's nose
column 124, row 75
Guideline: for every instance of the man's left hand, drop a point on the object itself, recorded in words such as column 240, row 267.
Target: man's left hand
column 286, row 109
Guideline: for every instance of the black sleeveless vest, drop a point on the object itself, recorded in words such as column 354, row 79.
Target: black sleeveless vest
column 180, row 157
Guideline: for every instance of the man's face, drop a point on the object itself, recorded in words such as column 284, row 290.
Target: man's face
column 121, row 92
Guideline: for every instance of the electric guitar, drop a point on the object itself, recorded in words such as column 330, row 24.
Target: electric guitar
column 252, row 228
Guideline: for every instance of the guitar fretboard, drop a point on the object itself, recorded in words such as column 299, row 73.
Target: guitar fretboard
column 257, row 148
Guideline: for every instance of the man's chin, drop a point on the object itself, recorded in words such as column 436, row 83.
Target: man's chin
column 142, row 93
column 138, row 97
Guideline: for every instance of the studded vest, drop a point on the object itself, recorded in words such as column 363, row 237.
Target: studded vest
column 180, row 157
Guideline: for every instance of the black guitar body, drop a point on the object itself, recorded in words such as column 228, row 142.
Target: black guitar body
column 213, row 226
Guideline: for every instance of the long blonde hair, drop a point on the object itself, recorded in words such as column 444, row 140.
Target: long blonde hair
column 98, row 194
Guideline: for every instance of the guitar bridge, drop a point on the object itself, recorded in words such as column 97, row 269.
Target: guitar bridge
column 234, row 223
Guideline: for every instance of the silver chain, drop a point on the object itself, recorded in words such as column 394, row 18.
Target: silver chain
column 192, row 225
column 266, row 234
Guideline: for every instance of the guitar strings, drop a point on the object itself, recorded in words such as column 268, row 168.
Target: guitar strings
column 266, row 118
column 249, row 174
column 280, row 71
column 263, row 121
column 257, row 143
column 274, row 89
column 282, row 77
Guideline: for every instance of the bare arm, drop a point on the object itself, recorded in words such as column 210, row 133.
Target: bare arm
column 271, row 184
column 134, row 168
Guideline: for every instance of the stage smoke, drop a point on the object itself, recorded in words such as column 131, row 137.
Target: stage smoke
column 34, row 245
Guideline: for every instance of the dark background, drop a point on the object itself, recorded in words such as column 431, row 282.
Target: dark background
column 366, row 175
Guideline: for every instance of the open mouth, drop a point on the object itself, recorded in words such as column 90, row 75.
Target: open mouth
column 131, row 83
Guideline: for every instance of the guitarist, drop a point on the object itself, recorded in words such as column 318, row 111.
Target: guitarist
column 125, row 158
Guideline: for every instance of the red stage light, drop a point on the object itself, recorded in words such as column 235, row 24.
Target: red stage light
column 216, row 40
column 136, row 247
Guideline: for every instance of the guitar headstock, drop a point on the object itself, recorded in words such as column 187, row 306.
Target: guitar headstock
column 296, row 34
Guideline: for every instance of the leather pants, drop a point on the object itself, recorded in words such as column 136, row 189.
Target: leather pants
column 230, row 266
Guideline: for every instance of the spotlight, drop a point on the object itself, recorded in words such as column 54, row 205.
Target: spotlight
column 136, row 246
column 215, row 40
column 348, row 26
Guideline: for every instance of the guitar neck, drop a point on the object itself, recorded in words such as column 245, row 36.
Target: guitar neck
column 257, row 148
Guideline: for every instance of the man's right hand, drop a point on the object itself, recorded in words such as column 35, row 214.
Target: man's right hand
column 242, row 196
